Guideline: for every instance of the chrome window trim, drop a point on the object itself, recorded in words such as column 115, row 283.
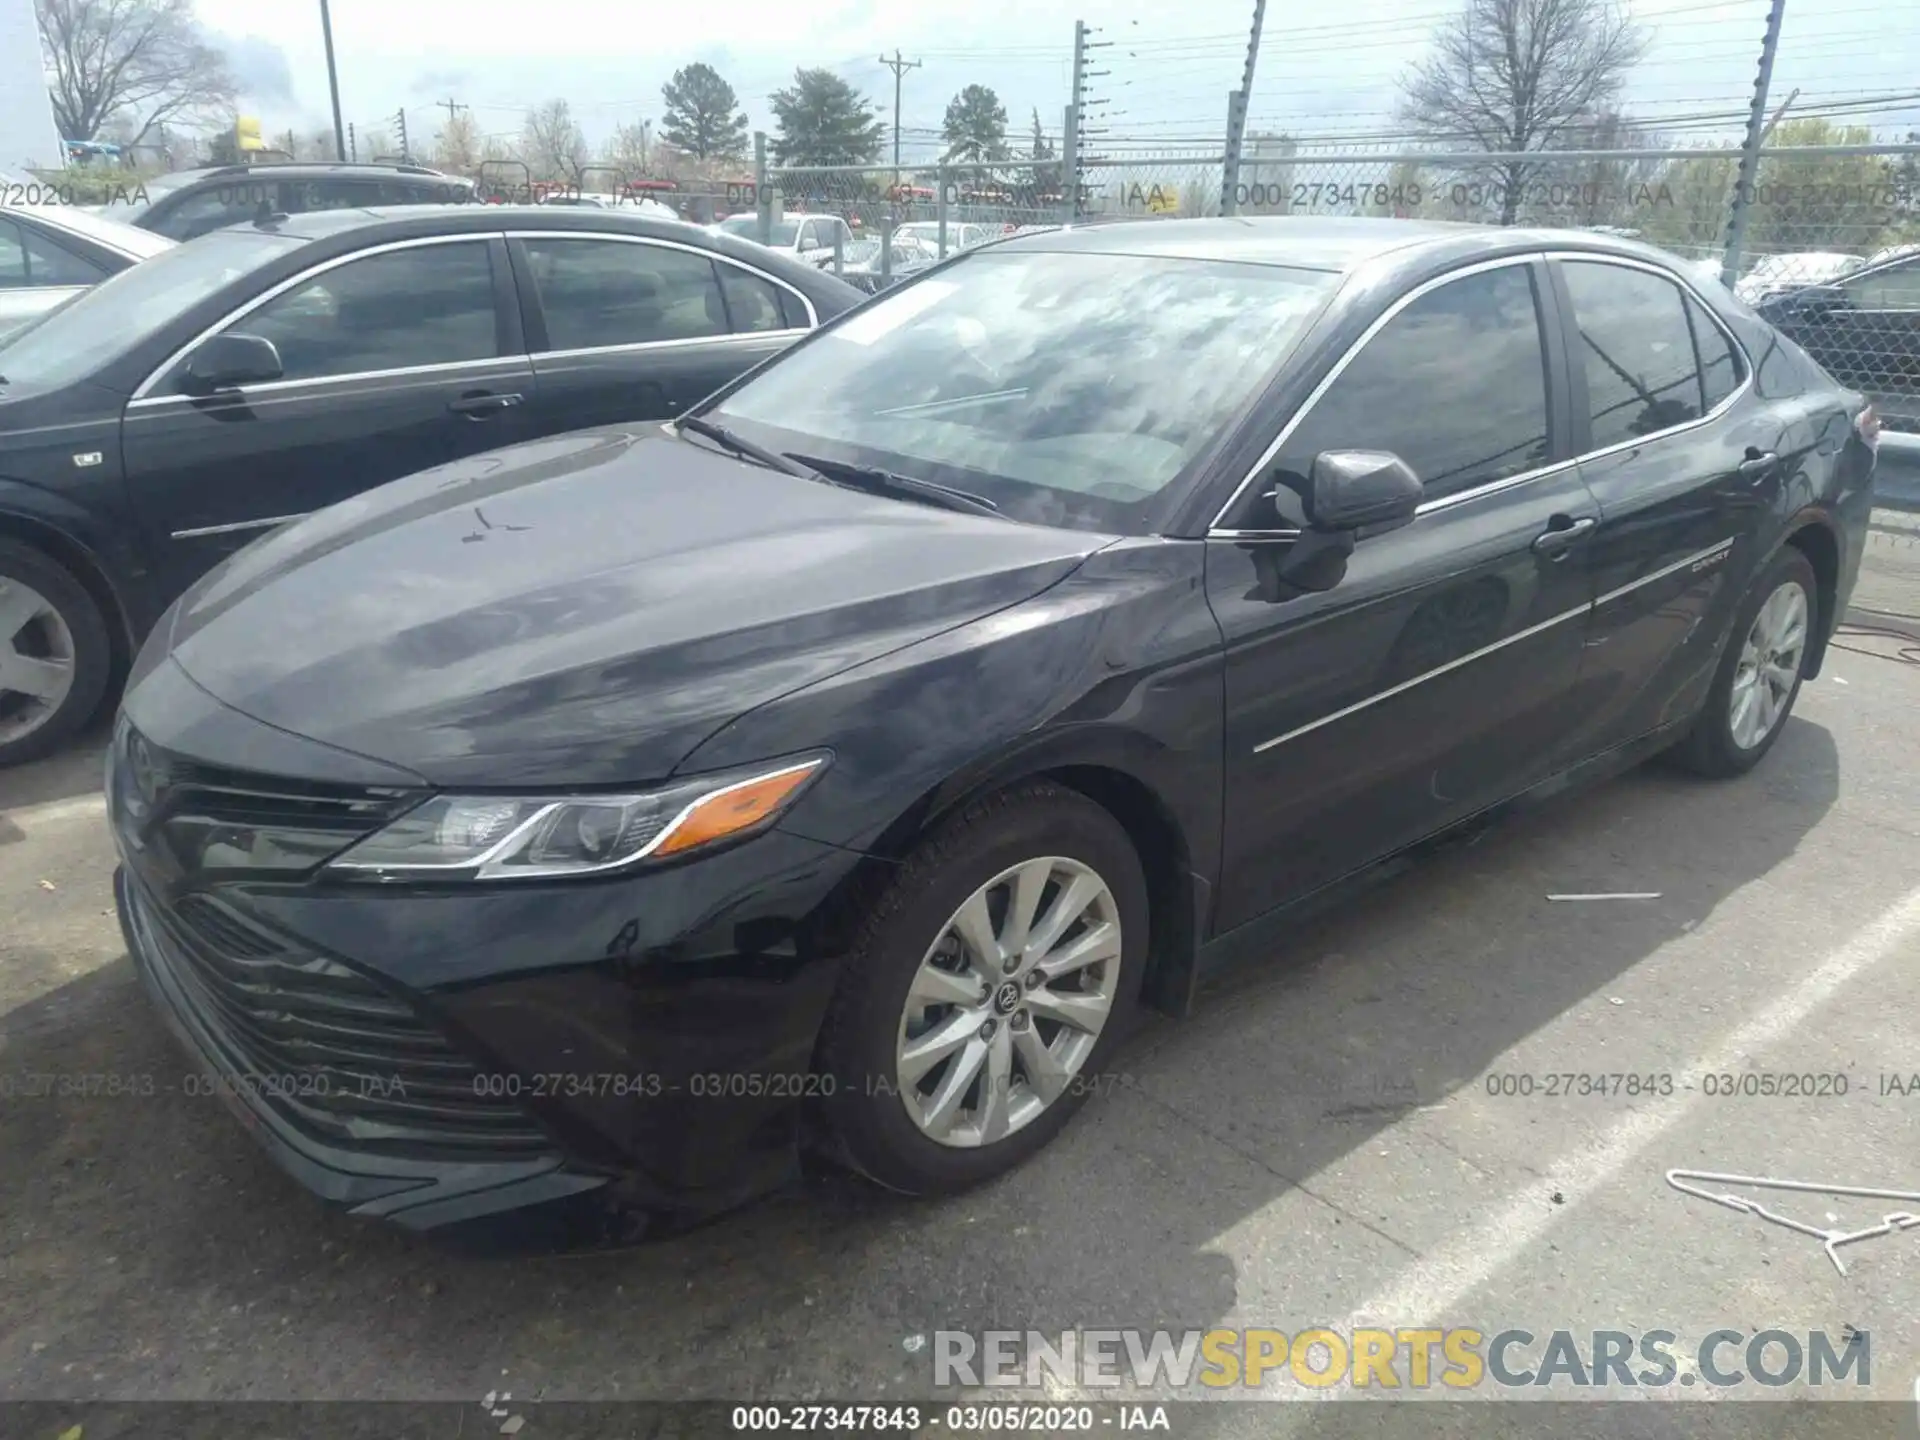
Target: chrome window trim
column 813, row 315
column 1718, row 548
column 302, row 278
column 515, row 365
column 1492, row 487
column 642, row 347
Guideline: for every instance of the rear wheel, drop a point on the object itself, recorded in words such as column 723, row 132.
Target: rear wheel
column 1759, row 676
column 55, row 654
column 988, row 985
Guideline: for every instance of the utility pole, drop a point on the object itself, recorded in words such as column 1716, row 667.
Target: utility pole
column 353, row 144
column 1237, row 115
column 1074, row 162
column 452, row 107
column 1750, row 152
column 333, row 82
column 899, row 68
column 400, row 126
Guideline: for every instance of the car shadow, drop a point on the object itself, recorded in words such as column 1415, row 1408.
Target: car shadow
column 73, row 771
column 159, row 1252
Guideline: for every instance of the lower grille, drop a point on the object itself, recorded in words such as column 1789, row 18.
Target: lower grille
column 337, row 1056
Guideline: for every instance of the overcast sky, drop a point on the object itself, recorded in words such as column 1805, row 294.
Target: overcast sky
column 1170, row 66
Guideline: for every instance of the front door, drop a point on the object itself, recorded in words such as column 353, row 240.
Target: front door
column 626, row 330
column 1435, row 677
column 393, row 362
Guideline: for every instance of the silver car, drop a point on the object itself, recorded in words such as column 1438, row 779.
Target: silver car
column 50, row 253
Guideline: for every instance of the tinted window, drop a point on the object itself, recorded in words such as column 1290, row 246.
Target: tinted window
column 612, row 292
column 45, row 262
column 1455, row 385
column 334, row 194
column 1637, row 350
column 215, row 207
column 1720, row 368
column 1071, row 389
column 427, row 306
column 13, row 256
column 753, row 303
column 1895, row 288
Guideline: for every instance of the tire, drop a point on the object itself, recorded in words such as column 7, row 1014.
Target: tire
column 1714, row 746
column 1041, row 828
column 69, row 632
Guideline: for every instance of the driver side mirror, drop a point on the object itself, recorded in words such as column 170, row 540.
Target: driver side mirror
column 1361, row 490
column 224, row 361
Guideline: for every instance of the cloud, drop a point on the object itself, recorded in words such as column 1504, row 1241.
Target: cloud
column 259, row 67
column 440, row 82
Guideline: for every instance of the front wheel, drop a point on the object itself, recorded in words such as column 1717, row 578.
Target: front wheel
column 1759, row 676
column 55, row 654
column 987, row 986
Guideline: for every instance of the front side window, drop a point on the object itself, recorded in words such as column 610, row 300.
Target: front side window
column 1637, row 350
column 429, row 305
column 29, row 259
column 1070, row 389
column 13, row 257
column 1455, row 385
column 216, row 207
column 598, row 293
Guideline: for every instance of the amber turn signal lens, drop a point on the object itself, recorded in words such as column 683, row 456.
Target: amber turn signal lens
column 734, row 809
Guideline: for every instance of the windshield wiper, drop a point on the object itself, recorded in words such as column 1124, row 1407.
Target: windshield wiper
column 721, row 435
column 876, row 481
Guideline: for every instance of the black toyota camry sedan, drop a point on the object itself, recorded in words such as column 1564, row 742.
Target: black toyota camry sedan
column 609, row 820
column 158, row 423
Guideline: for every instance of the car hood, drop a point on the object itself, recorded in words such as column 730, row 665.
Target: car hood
column 584, row 609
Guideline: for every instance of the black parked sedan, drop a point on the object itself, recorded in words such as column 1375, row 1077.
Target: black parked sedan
column 160, row 422
column 1865, row 329
column 597, row 820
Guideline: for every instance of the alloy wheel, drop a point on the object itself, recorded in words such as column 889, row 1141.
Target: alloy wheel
column 1009, row 1001
column 36, row 660
column 1770, row 659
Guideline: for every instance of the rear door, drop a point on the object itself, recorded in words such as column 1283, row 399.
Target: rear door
column 1437, row 675
column 395, row 360
column 626, row 330
column 1685, row 465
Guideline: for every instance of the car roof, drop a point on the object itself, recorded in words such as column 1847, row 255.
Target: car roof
column 1314, row 242
column 318, row 167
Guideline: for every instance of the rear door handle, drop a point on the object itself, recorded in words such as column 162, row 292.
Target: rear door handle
column 481, row 404
column 1758, row 466
column 1561, row 538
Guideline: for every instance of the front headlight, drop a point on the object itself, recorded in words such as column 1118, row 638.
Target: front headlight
column 526, row 837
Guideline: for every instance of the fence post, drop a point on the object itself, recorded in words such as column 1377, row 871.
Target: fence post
column 762, row 192
column 1230, row 168
column 1070, row 167
column 940, row 206
column 1749, row 172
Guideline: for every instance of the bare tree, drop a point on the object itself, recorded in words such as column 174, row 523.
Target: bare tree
column 457, row 148
column 1510, row 76
column 139, row 61
column 552, row 143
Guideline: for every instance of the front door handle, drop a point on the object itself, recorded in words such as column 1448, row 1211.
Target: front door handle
column 1758, row 465
column 1561, row 538
column 482, row 403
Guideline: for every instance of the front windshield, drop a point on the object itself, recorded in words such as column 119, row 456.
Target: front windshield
column 747, row 227
column 1069, row 389
column 120, row 312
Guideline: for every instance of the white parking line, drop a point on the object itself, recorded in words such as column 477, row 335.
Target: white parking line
column 56, row 812
column 1431, row 1288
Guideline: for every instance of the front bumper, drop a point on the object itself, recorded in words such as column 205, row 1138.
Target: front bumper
column 442, row 1055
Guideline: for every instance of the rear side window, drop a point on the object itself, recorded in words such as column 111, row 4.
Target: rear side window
column 1636, row 348
column 216, row 206
column 1412, row 390
column 1720, row 367
column 753, row 303
column 600, row 293
column 1895, row 288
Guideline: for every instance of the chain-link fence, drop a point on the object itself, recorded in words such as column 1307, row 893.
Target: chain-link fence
column 1830, row 249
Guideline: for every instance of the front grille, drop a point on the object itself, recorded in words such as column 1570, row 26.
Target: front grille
column 339, row 1057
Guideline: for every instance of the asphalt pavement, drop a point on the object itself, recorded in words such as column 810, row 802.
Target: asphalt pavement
column 1326, row 1142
